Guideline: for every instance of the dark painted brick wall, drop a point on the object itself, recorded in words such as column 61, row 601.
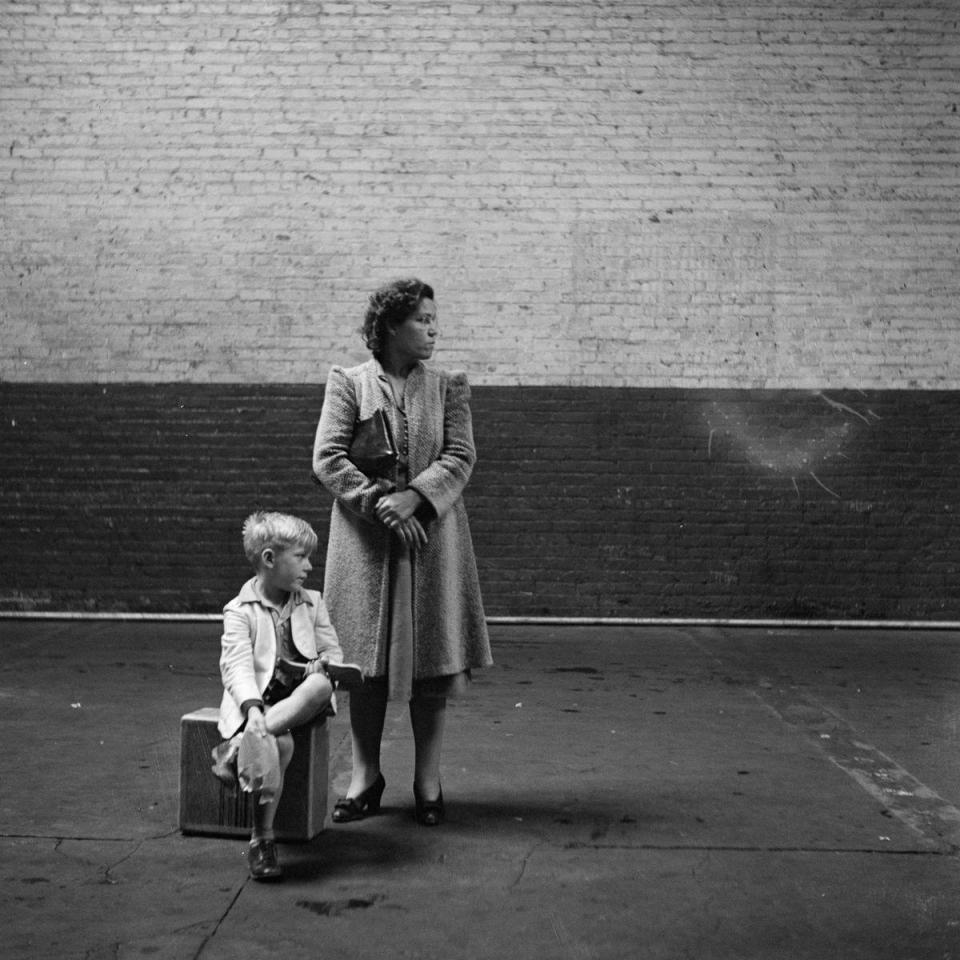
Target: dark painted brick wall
column 585, row 502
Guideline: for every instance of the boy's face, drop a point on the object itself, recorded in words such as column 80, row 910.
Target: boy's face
column 289, row 567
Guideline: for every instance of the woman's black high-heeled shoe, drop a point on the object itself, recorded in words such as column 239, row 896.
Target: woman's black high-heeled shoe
column 356, row 808
column 429, row 812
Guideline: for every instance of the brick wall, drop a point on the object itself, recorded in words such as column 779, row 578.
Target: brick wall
column 714, row 243
column 714, row 193
column 612, row 502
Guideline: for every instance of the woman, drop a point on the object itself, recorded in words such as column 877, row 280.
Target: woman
column 401, row 579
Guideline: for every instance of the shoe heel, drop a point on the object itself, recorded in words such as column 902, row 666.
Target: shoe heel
column 430, row 813
column 374, row 794
column 360, row 806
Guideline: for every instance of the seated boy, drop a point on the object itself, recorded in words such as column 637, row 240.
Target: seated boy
column 277, row 646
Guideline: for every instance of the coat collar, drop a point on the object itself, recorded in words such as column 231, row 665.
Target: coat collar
column 416, row 373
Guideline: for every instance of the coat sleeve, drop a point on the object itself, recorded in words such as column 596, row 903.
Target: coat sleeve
column 443, row 481
column 236, row 656
column 331, row 465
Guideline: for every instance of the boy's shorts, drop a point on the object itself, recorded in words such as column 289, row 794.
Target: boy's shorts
column 287, row 676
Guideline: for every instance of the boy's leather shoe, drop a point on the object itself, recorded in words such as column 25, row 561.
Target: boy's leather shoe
column 264, row 864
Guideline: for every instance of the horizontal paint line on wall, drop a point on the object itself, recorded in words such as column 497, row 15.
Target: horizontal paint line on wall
column 792, row 623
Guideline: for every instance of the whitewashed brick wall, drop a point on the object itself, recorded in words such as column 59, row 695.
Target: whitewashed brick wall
column 687, row 193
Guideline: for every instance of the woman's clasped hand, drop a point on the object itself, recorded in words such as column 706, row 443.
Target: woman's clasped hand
column 397, row 511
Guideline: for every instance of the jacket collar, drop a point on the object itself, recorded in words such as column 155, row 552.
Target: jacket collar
column 250, row 593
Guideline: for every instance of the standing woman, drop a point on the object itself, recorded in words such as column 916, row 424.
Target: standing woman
column 401, row 578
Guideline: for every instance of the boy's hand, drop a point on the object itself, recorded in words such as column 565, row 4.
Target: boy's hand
column 315, row 666
column 256, row 721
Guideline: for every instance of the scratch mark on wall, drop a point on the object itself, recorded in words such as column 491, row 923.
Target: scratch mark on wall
column 795, row 441
column 837, row 405
column 825, row 487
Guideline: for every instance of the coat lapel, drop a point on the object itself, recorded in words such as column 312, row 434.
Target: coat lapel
column 379, row 379
column 301, row 627
column 414, row 398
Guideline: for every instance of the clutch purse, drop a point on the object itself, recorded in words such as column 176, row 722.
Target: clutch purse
column 372, row 449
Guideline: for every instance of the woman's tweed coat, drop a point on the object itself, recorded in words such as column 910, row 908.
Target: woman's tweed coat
column 450, row 633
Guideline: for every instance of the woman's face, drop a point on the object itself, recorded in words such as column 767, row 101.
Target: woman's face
column 416, row 337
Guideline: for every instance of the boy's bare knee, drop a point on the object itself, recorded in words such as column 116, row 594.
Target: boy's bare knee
column 319, row 687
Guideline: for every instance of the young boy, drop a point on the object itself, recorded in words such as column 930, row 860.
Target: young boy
column 279, row 657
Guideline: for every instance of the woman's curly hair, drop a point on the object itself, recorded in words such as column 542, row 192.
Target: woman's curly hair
column 389, row 306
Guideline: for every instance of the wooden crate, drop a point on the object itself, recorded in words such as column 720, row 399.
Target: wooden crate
column 208, row 807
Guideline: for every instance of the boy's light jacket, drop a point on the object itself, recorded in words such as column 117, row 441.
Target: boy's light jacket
column 248, row 647
column 450, row 633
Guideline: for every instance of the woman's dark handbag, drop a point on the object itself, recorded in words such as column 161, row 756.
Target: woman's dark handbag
column 372, row 449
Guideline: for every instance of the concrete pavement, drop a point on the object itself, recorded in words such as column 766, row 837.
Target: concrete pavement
column 612, row 792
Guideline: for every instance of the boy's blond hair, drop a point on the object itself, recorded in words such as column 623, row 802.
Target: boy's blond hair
column 265, row 529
